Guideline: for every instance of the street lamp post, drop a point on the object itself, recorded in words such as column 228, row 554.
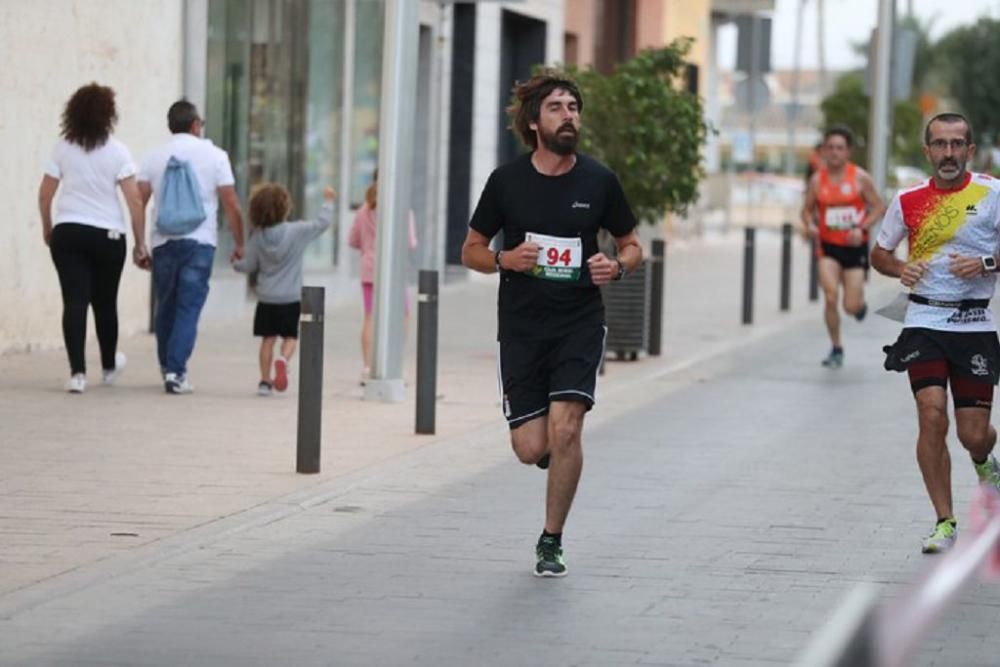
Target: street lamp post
column 880, row 120
column 395, row 158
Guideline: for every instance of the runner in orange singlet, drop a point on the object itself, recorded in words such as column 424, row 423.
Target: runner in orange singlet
column 841, row 205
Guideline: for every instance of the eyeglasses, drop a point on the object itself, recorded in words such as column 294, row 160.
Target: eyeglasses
column 941, row 144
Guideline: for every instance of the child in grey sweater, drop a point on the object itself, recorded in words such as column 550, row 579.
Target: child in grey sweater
column 275, row 250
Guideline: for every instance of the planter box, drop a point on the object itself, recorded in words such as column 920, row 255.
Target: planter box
column 626, row 307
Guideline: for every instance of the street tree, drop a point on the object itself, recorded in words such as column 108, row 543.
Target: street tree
column 971, row 56
column 849, row 105
column 642, row 122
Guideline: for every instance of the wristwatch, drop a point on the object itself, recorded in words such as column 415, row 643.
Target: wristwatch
column 621, row 268
column 989, row 263
column 496, row 259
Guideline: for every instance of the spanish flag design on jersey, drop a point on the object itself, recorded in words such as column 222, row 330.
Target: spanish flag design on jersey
column 935, row 216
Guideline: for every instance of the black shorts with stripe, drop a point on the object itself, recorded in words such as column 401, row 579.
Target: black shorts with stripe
column 969, row 361
column 534, row 373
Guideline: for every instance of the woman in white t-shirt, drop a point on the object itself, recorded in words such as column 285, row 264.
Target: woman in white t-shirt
column 85, row 230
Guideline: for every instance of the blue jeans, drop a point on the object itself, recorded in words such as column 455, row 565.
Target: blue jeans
column 181, row 270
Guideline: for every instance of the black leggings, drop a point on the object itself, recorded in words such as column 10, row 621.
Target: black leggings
column 90, row 263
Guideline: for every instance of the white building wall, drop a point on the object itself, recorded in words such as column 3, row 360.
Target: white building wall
column 485, row 106
column 50, row 49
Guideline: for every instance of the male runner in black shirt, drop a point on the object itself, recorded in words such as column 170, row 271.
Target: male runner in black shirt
column 550, row 204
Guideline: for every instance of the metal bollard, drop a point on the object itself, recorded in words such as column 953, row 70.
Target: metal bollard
column 813, row 272
column 786, row 266
column 658, row 266
column 427, row 344
column 748, row 253
column 310, row 380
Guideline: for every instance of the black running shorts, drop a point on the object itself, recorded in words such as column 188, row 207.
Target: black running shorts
column 969, row 360
column 533, row 373
column 849, row 257
column 277, row 319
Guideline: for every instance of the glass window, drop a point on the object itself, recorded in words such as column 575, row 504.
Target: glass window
column 367, row 92
column 227, row 96
column 324, row 118
column 275, row 72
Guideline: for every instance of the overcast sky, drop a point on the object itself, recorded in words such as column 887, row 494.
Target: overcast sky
column 847, row 22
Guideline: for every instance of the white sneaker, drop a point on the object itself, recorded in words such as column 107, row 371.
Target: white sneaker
column 110, row 377
column 76, row 384
column 177, row 384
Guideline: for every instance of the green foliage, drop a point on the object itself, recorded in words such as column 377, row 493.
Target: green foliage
column 971, row 56
column 848, row 105
column 641, row 123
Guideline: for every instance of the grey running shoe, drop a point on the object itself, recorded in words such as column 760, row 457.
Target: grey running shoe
column 550, row 558
column 860, row 315
column 835, row 359
column 264, row 389
column 941, row 538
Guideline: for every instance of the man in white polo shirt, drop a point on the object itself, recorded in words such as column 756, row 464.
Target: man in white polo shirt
column 182, row 263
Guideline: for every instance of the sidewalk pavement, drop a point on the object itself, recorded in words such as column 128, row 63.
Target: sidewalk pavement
column 87, row 477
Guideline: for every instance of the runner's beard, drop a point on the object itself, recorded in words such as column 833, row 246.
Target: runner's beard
column 955, row 169
column 560, row 143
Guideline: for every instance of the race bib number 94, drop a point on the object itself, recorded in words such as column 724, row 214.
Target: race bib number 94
column 559, row 258
column 841, row 217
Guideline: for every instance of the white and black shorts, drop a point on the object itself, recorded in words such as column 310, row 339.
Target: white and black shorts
column 533, row 373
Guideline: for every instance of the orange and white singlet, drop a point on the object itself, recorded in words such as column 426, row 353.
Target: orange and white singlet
column 841, row 206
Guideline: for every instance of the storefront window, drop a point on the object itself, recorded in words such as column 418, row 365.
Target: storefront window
column 324, row 118
column 227, row 99
column 367, row 92
column 275, row 72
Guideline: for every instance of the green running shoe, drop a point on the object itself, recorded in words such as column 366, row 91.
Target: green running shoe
column 550, row 558
column 941, row 538
column 989, row 472
column 835, row 359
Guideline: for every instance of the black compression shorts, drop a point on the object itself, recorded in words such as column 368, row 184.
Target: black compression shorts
column 970, row 361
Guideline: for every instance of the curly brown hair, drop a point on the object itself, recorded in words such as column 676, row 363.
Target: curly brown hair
column 89, row 116
column 527, row 104
column 270, row 204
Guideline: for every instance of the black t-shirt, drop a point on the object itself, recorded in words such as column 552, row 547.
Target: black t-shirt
column 517, row 200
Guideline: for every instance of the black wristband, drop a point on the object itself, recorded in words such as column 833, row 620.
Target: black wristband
column 621, row 268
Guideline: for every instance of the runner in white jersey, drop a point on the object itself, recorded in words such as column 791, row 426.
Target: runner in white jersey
column 952, row 223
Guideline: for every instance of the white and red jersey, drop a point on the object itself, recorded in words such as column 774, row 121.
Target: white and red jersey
column 938, row 223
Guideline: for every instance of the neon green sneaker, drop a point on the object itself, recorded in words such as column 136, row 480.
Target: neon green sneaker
column 941, row 538
column 989, row 472
column 550, row 558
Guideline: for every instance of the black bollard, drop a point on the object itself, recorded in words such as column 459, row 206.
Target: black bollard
column 748, row 253
column 786, row 266
column 658, row 266
column 427, row 344
column 310, row 380
column 813, row 272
